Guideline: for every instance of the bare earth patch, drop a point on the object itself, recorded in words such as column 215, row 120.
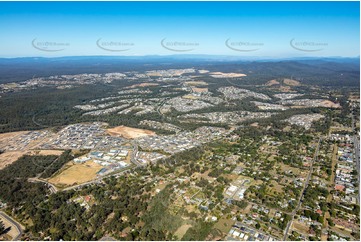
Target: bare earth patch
column 225, row 75
column 11, row 135
column 128, row 132
column 190, row 96
column 300, row 227
column 272, row 82
column 76, row 174
column 8, row 136
column 8, row 158
column 330, row 104
column 291, row 82
column 254, row 124
column 46, row 152
column 354, row 97
column 196, row 83
column 198, row 89
column 203, row 71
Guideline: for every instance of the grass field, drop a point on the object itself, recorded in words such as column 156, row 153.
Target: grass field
column 302, row 228
column 182, row 230
column 76, row 174
column 276, row 188
column 224, row 225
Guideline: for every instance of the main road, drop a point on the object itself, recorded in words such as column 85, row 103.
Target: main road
column 356, row 144
column 303, row 190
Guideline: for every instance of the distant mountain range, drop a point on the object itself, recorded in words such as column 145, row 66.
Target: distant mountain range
column 182, row 57
column 326, row 69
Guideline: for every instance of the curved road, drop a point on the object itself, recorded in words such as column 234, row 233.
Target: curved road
column 52, row 188
column 13, row 222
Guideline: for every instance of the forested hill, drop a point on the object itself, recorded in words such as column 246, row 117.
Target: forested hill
column 318, row 71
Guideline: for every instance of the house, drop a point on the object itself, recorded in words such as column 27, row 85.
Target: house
column 87, row 198
column 339, row 187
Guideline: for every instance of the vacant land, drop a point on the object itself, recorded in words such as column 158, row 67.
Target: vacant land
column 198, row 89
column 329, row 104
column 9, row 136
column 272, row 82
column 354, row 97
column 182, row 230
column 189, row 96
column 224, row 225
column 9, row 157
column 225, row 75
column 196, row 83
column 300, row 227
column 203, row 71
column 47, row 152
column 129, row 133
column 291, row 82
column 76, row 174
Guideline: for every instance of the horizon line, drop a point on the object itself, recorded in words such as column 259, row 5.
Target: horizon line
column 181, row 55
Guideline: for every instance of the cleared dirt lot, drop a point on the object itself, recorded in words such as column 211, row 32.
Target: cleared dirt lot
column 5, row 137
column 128, row 132
column 9, row 157
column 203, row 71
column 46, row 152
column 76, row 174
column 330, row 104
column 198, row 89
column 291, row 82
column 11, row 135
column 225, row 75
column 196, row 83
column 272, row 82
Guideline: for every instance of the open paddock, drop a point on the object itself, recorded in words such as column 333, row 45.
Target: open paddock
column 74, row 174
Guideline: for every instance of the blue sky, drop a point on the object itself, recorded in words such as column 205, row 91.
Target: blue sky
column 263, row 29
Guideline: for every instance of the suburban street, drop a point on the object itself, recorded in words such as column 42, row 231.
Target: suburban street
column 302, row 192
column 356, row 143
column 357, row 160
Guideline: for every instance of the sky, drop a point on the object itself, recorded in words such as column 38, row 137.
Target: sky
column 260, row 29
